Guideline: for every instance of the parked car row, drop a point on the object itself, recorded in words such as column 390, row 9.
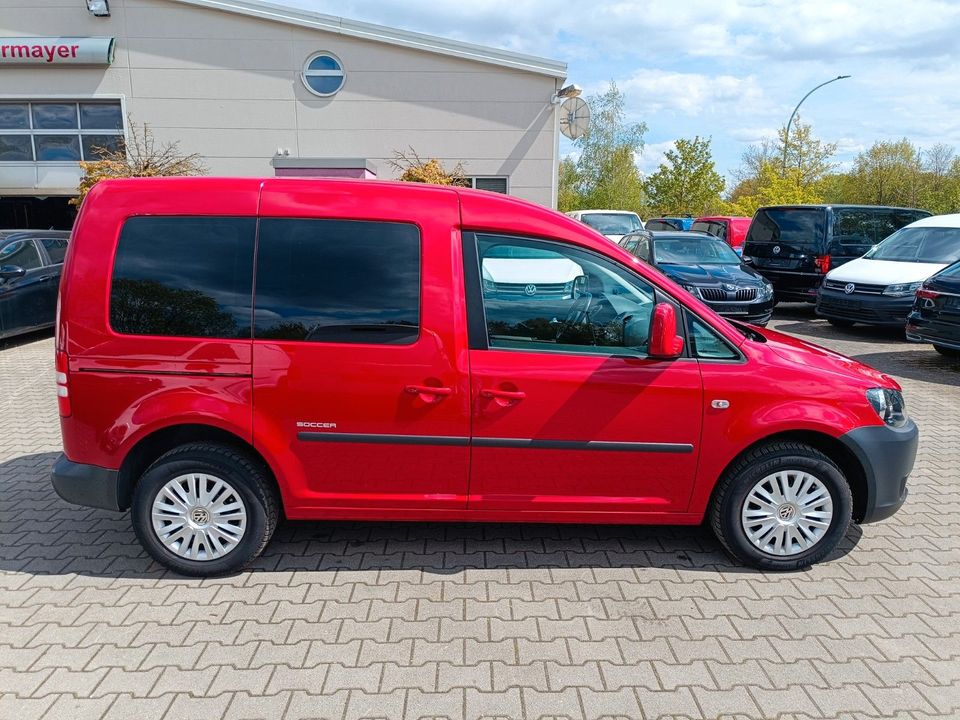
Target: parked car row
column 858, row 263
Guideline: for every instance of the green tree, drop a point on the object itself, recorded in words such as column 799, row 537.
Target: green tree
column 773, row 187
column 765, row 179
column 605, row 174
column 888, row 173
column 568, row 197
column 687, row 180
column 806, row 155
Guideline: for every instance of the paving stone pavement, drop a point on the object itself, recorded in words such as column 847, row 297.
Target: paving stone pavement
column 351, row 620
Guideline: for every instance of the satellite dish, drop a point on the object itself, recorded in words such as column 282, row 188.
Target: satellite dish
column 574, row 117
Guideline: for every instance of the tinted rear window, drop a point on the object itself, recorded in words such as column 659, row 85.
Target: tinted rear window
column 868, row 226
column 338, row 281
column 795, row 228
column 184, row 277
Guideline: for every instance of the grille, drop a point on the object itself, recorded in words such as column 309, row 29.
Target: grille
column 713, row 293
column 858, row 288
column 716, row 294
column 542, row 289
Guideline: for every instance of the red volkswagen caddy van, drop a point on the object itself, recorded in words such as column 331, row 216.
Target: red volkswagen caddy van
column 232, row 350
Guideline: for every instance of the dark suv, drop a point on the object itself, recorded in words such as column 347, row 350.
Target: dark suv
column 795, row 246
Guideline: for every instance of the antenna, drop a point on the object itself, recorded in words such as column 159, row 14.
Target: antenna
column 574, row 117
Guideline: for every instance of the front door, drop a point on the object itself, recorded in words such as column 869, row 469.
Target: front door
column 361, row 392
column 569, row 412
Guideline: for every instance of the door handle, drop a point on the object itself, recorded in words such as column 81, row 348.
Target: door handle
column 503, row 398
column 427, row 393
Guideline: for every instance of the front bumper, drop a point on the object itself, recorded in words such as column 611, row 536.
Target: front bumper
column 887, row 455
column 87, row 485
column 862, row 308
column 755, row 311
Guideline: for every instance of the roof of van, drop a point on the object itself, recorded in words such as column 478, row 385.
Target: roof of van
column 949, row 221
column 839, row 205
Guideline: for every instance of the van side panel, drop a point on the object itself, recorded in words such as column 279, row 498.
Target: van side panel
column 124, row 387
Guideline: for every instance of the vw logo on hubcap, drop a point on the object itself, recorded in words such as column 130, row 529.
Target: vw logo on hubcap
column 786, row 512
column 530, row 289
column 200, row 516
column 849, row 288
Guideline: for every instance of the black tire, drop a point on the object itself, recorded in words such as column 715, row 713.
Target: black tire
column 248, row 478
column 947, row 352
column 838, row 323
column 735, row 485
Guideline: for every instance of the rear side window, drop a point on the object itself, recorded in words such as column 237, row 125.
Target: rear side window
column 184, row 277
column 799, row 229
column 338, row 281
column 21, row 253
column 56, row 248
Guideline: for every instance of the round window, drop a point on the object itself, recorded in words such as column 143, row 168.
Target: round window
column 323, row 74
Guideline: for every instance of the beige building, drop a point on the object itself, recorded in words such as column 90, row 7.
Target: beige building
column 259, row 89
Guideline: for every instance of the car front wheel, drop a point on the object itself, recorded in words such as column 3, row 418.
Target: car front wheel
column 783, row 506
column 204, row 509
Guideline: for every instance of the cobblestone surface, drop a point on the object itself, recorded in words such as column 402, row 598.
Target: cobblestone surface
column 345, row 620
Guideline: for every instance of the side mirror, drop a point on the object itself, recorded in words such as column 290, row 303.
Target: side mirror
column 665, row 344
column 11, row 272
column 579, row 286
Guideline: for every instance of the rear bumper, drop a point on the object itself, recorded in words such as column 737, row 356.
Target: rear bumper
column 938, row 332
column 867, row 309
column 887, row 455
column 87, row 485
column 792, row 286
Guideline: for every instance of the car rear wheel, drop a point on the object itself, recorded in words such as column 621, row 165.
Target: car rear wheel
column 838, row 323
column 947, row 352
column 204, row 509
column 783, row 506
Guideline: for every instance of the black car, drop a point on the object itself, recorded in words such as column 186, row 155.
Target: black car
column 709, row 269
column 795, row 246
column 30, row 266
column 936, row 312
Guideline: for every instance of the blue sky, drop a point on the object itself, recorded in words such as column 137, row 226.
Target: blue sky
column 731, row 70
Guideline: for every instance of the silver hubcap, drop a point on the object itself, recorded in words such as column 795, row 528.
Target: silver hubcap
column 199, row 517
column 787, row 513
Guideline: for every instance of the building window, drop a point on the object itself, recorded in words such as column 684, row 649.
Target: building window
column 58, row 131
column 323, row 74
column 492, row 184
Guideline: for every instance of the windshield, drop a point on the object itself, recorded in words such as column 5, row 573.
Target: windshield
column 796, row 228
column 693, row 251
column 919, row 244
column 612, row 223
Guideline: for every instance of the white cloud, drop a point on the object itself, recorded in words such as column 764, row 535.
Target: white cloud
column 690, row 93
column 651, row 156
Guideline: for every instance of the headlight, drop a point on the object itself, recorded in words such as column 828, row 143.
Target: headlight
column 489, row 287
column 766, row 292
column 902, row 290
column 889, row 405
column 692, row 289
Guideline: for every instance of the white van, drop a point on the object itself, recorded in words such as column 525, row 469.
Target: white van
column 879, row 288
column 613, row 224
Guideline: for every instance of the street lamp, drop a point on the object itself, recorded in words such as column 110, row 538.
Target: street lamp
column 786, row 138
